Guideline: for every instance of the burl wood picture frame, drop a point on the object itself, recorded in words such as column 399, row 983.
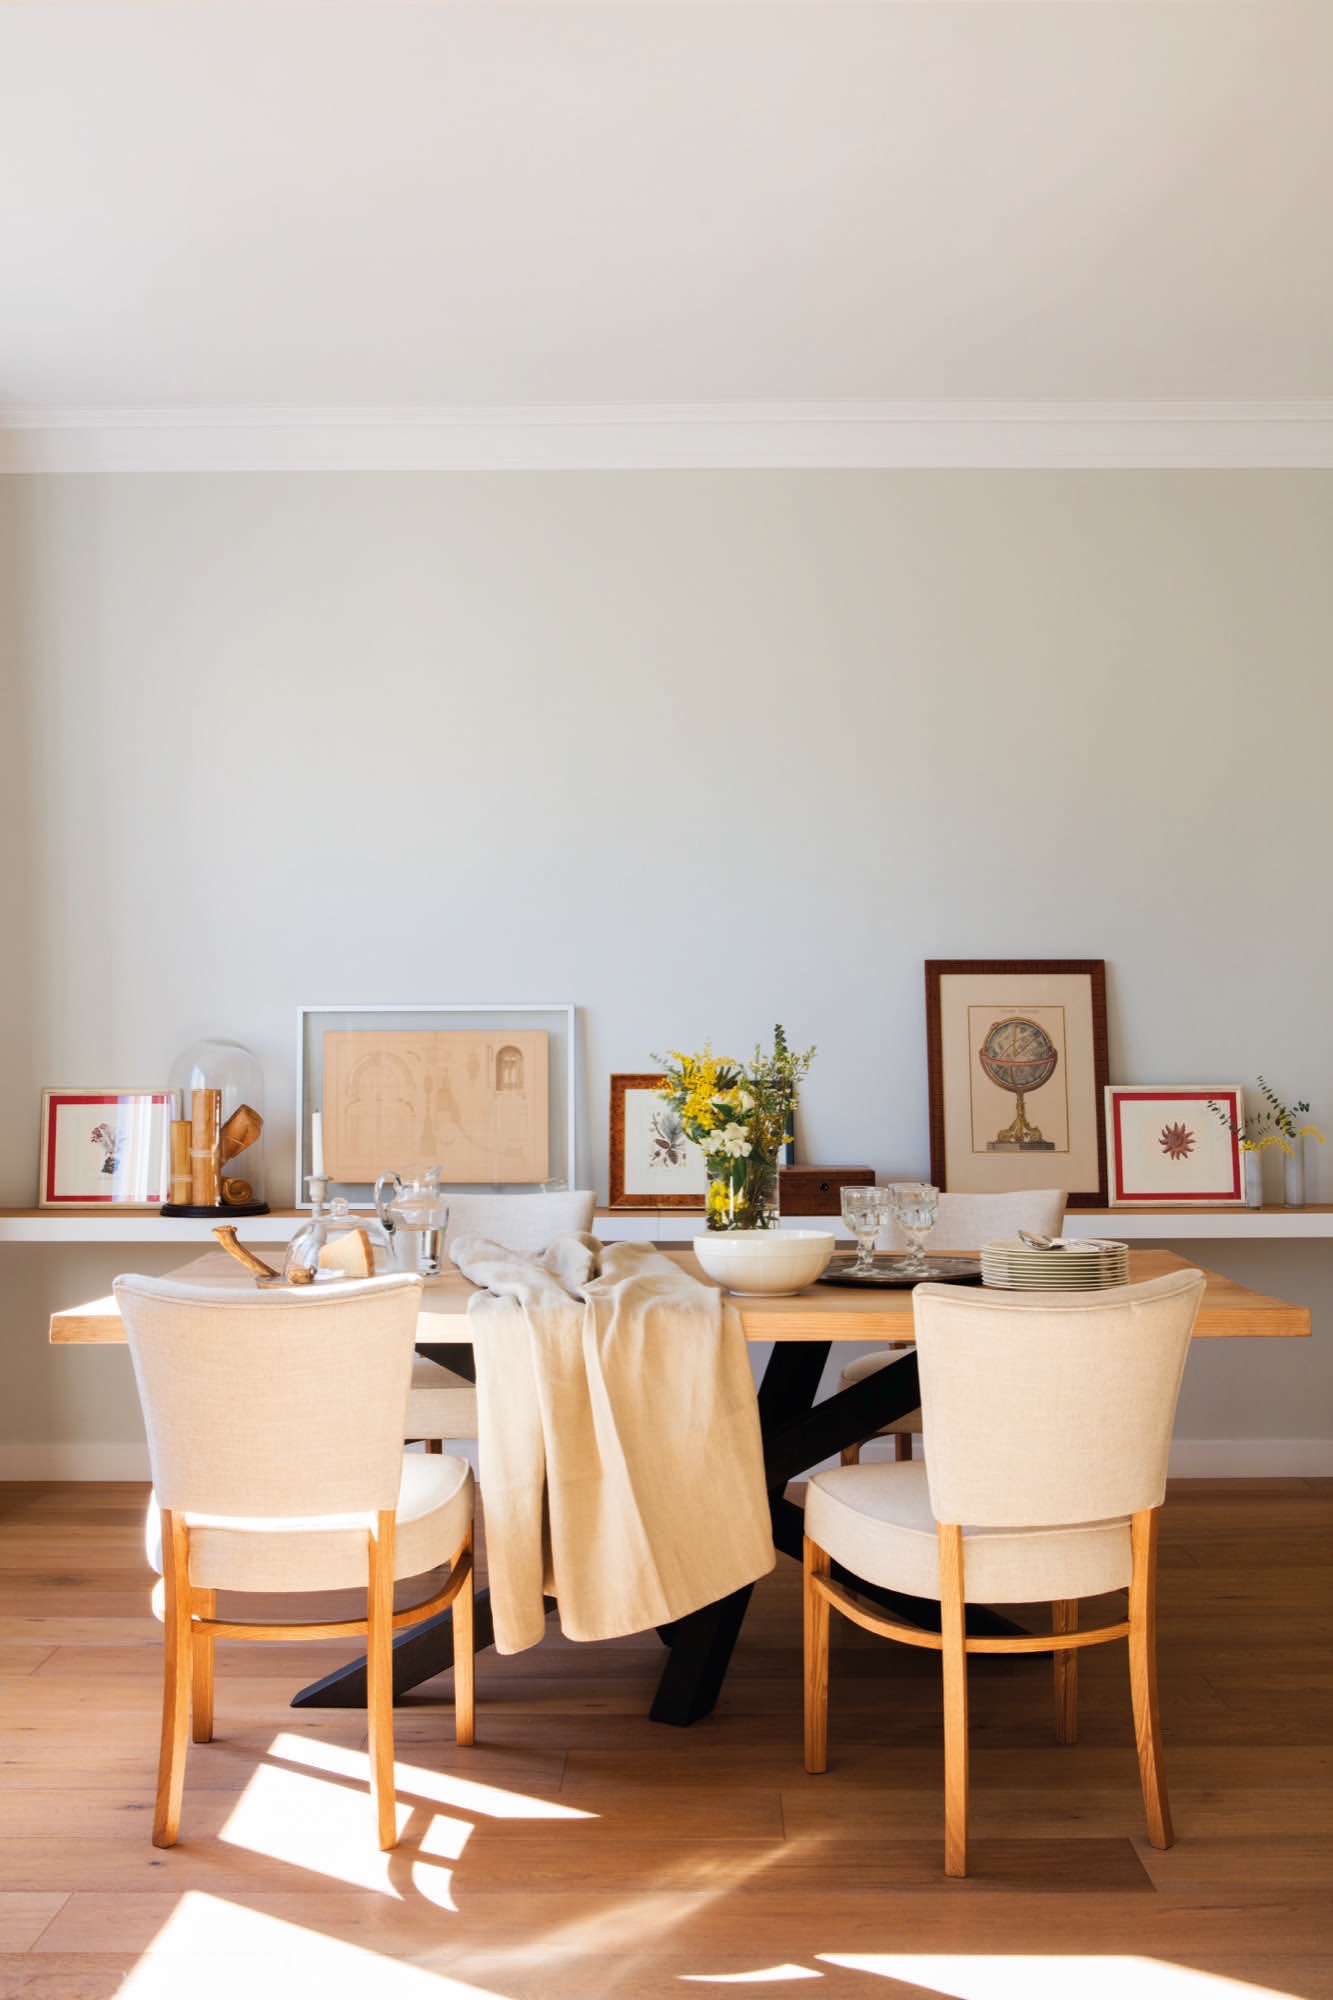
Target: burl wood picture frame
column 1016, row 1058
column 486, row 1094
column 652, row 1163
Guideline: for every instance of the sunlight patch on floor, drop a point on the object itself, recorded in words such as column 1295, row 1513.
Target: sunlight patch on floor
column 768, row 1975
column 444, row 1788
column 233, row 1948
column 309, row 1805
column 1022, row 1977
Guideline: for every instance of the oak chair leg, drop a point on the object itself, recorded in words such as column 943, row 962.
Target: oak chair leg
column 379, row 1678
column 464, row 1626
column 953, row 1660
column 435, row 1447
column 902, row 1446
column 1064, row 1618
column 817, row 1563
column 176, row 1679
column 201, row 1706
column 851, row 1454
column 1143, row 1676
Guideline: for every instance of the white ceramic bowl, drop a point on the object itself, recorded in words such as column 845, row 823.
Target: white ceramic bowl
column 764, row 1260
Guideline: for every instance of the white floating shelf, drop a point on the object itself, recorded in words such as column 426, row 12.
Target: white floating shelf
column 24, row 1225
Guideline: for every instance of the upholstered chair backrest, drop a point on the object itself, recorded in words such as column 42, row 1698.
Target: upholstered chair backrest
column 966, row 1221
column 284, row 1404
column 523, row 1222
column 1041, row 1409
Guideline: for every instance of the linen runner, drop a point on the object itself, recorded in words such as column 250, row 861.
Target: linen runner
column 621, row 1460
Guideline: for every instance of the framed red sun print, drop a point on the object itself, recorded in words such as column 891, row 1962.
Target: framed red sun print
column 1175, row 1146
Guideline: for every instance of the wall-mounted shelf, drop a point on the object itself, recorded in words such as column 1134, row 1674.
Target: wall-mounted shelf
column 1160, row 1225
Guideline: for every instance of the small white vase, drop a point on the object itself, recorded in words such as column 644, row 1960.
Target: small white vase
column 1293, row 1174
column 1254, row 1178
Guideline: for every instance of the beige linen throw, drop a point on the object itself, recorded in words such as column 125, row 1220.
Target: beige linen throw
column 621, row 1461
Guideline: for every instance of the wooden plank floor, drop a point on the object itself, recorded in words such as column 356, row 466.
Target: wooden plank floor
column 582, row 1851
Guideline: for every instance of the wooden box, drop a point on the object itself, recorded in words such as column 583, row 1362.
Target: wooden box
column 818, row 1190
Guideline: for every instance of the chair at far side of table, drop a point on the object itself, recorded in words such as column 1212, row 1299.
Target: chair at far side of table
column 441, row 1403
column 1047, row 1423
column 963, row 1223
column 275, row 1434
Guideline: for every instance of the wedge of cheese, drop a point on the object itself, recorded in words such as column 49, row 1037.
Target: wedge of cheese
column 350, row 1255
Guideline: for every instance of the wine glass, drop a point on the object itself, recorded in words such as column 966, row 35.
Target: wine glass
column 915, row 1205
column 863, row 1212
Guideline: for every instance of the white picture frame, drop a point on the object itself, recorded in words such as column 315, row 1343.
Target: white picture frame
column 557, row 1020
column 105, row 1146
column 1167, row 1147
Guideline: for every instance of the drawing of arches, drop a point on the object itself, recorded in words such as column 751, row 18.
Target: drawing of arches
column 509, row 1068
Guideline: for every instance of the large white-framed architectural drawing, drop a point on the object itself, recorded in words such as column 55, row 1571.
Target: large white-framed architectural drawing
column 484, row 1093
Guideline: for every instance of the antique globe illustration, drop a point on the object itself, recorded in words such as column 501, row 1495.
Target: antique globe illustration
column 1018, row 1055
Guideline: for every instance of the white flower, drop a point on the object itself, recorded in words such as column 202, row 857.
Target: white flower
column 730, row 1139
column 744, row 1101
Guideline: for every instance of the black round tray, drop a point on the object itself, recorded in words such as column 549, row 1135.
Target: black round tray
column 943, row 1271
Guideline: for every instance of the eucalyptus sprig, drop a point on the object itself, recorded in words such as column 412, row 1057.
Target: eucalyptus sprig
column 1284, row 1116
column 1275, row 1126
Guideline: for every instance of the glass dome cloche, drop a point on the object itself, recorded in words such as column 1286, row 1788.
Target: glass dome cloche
column 338, row 1242
column 217, row 1144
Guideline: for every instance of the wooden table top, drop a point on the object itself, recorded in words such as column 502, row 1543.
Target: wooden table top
column 821, row 1312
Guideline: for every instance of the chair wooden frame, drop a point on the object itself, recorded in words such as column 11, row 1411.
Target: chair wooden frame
column 192, row 1626
column 952, row 1642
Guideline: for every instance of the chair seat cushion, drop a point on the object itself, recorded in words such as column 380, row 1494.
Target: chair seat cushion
column 870, row 1364
column 435, row 1502
column 876, row 1520
column 440, row 1404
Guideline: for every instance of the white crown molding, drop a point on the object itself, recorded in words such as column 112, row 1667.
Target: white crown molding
column 631, row 437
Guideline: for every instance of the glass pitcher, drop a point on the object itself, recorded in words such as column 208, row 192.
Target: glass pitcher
column 414, row 1212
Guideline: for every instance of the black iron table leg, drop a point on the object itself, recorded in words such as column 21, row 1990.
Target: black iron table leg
column 797, row 1433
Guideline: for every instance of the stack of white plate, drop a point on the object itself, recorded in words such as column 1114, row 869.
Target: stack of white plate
column 1079, row 1266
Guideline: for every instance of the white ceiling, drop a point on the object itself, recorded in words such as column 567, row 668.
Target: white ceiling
column 333, row 206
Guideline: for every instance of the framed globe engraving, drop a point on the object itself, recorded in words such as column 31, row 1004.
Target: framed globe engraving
column 1016, row 1056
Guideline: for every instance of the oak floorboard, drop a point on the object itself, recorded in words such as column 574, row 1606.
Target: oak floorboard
column 580, row 1851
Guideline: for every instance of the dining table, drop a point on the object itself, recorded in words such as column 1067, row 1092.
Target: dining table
column 799, row 1432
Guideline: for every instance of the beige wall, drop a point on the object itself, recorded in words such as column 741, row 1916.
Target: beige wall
column 697, row 751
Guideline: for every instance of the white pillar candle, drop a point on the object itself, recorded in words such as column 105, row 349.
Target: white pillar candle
column 316, row 1142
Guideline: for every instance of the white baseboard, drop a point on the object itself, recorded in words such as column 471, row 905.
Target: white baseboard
column 1251, row 1458
column 73, row 1461
column 634, row 437
column 1213, row 1458
column 1191, row 1458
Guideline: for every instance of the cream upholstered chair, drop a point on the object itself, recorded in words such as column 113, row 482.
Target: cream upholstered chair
column 275, row 1433
column 1048, row 1420
column 964, row 1223
column 441, row 1404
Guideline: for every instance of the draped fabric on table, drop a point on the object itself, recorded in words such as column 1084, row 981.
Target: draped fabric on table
column 621, row 1461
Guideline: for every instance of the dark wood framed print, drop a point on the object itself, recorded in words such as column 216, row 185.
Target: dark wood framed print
column 653, row 1164
column 1017, row 1064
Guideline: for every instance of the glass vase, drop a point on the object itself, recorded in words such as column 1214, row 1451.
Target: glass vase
column 1293, row 1173
column 743, row 1192
column 1254, row 1177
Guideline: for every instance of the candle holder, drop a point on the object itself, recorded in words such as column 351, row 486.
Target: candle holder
column 217, row 1150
